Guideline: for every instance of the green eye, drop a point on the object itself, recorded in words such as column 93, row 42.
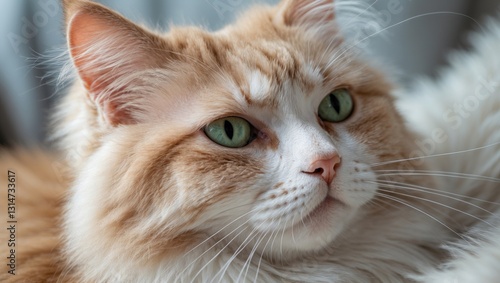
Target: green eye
column 336, row 106
column 230, row 132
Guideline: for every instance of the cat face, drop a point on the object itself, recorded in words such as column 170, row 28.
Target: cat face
column 224, row 136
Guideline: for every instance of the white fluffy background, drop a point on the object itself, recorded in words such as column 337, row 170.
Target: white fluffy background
column 463, row 105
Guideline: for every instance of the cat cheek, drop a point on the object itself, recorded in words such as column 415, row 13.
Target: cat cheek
column 221, row 172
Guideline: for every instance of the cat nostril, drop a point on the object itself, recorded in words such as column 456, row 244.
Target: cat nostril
column 318, row 171
column 324, row 167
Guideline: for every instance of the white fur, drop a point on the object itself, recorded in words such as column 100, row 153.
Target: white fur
column 259, row 86
column 476, row 259
column 461, row 112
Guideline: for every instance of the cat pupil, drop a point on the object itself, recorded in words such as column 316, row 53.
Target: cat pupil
column 228, row 127
column 335, row 103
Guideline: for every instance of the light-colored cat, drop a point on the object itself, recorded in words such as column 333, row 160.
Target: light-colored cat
column 268, row 151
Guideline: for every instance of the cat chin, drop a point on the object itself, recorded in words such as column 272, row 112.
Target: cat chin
column 314, row 232
column 321, row 227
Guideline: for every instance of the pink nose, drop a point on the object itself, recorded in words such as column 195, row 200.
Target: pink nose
column 324, row 166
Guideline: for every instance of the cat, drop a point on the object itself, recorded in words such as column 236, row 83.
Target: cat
column 267, row 151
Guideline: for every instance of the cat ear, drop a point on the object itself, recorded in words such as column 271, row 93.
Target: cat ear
column 316, row 16
column 107, row 50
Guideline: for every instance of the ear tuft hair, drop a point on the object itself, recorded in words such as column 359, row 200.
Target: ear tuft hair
column 308, row 12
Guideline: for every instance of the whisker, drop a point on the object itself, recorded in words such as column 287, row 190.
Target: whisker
column 195, row 260
column 262, row 255
column 440, row 174
column 224, row 268
column 374, row 202
column 242, row 246
column 302, row 218
column 217, row 254
column 384, row 202
column 339, row 7
column 421, row 211
column 221, row 229
column 252, row 253
column 434, row 192
column 293, row 225
column 282, row 235
column 362, row 12
column 437, row 203
column 275, row 236
column 434, row 155
column 250, row 256
column 396, row 207
column 394, row 25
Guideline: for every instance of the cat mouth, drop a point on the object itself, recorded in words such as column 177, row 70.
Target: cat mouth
column 323, row 207
column 323, row 211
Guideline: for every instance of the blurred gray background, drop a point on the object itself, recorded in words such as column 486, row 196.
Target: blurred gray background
column 420, row 33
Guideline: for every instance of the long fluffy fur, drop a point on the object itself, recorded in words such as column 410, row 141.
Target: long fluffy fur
column 464, row 105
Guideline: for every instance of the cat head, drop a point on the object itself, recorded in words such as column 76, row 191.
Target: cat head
column 262, row 132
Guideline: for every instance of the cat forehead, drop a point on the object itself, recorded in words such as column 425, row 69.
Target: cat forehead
column 258, row 67
column 264, row 74
column 265, row 89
